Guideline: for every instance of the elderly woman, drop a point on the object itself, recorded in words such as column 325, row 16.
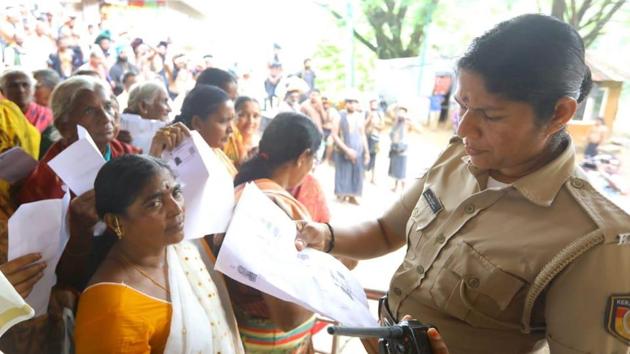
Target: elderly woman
column 152, row 293
column 80, row 100
column 147, row 101
column 507, row 243
column 45, row 82
column 85, row 101
column 17, row 86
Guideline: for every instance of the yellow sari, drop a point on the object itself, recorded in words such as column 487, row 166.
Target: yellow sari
column 229, row 165
column 233, row 149
column 15, row 130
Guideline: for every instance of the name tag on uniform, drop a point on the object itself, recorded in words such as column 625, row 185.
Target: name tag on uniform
column 434, row 202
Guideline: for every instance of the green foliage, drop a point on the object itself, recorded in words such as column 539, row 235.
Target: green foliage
column 396, row 28
column 589, row 17
column 331, row 68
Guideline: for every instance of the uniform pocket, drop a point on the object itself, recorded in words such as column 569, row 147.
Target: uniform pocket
column 421, row 217
column 473, row 289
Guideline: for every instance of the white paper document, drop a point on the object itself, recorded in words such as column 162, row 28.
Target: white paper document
column 78, row 164
column 141, row 130
column 207, row 185
column 259, row 251
column 16, row 164
column 40, row 227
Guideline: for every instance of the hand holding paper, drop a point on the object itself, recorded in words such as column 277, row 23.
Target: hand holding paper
column 141, row 130
column 208, row 188
column 78, row 164
column 259, row 251
column 47, row 236
column 23, row 272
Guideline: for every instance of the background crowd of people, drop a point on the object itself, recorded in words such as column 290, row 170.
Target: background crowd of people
column 59, row 74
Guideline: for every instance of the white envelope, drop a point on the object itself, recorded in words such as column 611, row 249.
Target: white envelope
column 141, row 130
column 78, row 164
column 47, row 236
column 207, row 186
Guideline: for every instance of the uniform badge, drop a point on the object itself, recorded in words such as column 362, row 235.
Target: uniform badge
column 434, row 202
column 618, row 317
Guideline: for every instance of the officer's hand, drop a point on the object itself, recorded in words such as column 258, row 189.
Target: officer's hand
column 23, row 272
column 311, row 234
column 438, row 346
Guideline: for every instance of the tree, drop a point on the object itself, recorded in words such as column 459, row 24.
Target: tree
column 391, row 21
column 589, row 17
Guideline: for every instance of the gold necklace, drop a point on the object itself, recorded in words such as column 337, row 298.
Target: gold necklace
column 144, row 274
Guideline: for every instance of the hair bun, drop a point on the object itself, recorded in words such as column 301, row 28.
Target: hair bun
column 587, row 84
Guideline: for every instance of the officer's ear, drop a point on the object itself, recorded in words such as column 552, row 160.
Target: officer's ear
column 563, row 112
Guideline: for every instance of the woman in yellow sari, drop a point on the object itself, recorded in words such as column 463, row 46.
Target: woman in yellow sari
column 243, row 142
column 286, row 155
column 152, row 293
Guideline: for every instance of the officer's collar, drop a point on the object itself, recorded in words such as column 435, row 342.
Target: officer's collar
column 541, row 186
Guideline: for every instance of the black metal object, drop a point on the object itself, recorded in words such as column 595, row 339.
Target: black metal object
column 406, row 337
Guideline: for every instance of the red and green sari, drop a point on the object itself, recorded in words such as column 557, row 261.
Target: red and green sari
column 258, row 333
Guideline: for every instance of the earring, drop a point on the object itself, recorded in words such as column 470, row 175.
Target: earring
column 117, row 229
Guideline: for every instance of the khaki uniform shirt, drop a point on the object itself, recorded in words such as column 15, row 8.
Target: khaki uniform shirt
column 501, row 270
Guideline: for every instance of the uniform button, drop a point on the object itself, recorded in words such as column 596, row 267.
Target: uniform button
column 577, row 183
column 470, row 208
column 473, row 282
column 420, row 269
column 397, row 291
column 440, row 238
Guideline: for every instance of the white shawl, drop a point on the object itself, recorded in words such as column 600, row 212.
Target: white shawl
column 198, row 322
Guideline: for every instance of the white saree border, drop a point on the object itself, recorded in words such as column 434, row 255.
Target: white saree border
column 201, row 304
column 221, row 288
column 13, row 308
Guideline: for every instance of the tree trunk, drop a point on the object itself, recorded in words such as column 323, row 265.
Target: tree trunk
column 558, row 7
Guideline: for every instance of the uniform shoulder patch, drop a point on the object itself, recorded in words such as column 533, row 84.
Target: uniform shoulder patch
column 618, row 317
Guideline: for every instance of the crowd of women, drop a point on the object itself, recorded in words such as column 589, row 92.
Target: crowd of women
column 502, row 231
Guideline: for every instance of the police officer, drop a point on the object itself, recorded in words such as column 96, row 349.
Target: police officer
column 508, row 244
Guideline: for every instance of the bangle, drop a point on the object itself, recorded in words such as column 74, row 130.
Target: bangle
column 331, row 245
